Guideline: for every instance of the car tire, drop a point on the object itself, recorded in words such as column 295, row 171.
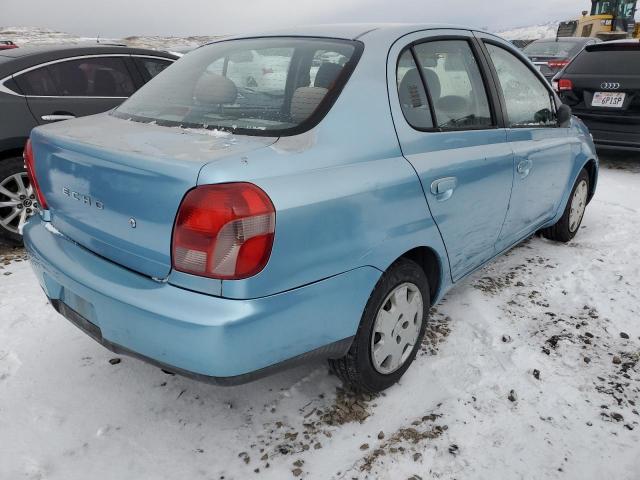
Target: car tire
column 9, row 168
column 366, row 366
column 567, row 227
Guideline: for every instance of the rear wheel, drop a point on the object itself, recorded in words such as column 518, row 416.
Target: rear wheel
column 17, row 199
column 571, row 219
column 390, row 332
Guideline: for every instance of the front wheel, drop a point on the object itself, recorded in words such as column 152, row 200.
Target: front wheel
column 17, row 199
column 571, row 219
column 390, row 332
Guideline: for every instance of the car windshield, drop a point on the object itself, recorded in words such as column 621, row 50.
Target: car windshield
column 552, row 48
column 266, row 86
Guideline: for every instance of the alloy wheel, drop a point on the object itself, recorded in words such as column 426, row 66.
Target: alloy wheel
column 17, row 202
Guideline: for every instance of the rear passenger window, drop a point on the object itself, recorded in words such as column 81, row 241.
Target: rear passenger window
column 87, row 77
column 529, row 102
column 413, row 98
column 37, row 82
column 455, row 84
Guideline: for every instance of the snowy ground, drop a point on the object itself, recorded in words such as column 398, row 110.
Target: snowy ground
column 531, row 370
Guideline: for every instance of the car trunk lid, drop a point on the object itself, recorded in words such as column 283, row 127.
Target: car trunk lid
column 115, row 186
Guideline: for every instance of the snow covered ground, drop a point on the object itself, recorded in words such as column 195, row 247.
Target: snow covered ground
column 533, row 32
column 531, row 370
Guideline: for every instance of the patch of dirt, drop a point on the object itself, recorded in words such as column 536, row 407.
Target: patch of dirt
column 437, row 331
column 10, row 254
column 318, row 422
column 406, row 441
column 493, row 285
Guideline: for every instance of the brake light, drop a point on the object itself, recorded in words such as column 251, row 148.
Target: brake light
column 564, row 85
column 558, row 63
column 31, row 172
column 224, row 231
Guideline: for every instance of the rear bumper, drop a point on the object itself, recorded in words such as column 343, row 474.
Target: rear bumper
column 213, row 339
column 621, row 133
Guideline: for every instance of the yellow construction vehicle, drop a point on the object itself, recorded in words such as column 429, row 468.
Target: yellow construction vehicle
column 608, row 20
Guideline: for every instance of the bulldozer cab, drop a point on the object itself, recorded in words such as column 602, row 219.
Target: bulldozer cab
column 607, row 20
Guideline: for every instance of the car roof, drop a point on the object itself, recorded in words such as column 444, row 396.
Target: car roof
column 17, row 59
column 631, row 43
column 352, row 31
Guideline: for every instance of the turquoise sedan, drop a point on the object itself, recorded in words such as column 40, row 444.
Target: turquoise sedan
column 302, row 194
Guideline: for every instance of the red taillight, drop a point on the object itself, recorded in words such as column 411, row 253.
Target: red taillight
column 224, row 231
column 558, row 63
column 31, row 172
column 564, row 84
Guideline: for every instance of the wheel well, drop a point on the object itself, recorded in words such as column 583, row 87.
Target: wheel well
column 15, row 152
column 428, row 260
column 590, row 167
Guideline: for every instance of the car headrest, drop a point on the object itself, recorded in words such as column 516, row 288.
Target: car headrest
column 305, row 101
column 411, row 81
column 75, row 80
column 104, row 84
column 433, row 82
column 327, row 75
column 410, row 88
column 214, row 89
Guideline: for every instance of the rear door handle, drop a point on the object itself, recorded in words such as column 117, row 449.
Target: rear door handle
column 443, row 188
column 56, row 118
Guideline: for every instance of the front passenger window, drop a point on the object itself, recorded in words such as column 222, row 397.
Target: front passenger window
column 529, row 102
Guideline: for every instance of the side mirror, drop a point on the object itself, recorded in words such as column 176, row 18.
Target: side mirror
column 564, row 115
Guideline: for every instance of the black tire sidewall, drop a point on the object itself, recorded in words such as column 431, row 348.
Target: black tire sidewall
column 403, row 271
column 9, row 167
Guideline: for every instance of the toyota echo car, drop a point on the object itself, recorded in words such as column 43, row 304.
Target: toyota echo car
column 224, row 229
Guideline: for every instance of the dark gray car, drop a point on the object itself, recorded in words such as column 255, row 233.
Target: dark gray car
column 550, row 55
column 40, row 85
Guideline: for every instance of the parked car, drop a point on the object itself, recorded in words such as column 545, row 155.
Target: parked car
column 602, row 85
column 7, row 45
column 550, row 55
column 40, row 85
column 224, row 240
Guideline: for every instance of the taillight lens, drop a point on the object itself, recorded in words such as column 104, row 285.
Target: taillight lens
column 31, row 172
column 558, row 64
column 224, row 231
column 563, row 85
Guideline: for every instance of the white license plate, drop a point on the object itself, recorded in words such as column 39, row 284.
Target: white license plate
column 608, row 99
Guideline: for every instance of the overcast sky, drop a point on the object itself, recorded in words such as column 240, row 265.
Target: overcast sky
column 116, row 18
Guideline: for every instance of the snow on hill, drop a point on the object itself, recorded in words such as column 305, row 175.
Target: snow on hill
column 43, row 36
column 533, row 32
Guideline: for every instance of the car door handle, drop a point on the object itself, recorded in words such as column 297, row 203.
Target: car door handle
column 56, row 117
column 524, row 167
column 443, row 188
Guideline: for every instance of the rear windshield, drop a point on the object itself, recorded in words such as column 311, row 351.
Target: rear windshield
column 266, row 86
column 553, row 49
column 614, row 62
